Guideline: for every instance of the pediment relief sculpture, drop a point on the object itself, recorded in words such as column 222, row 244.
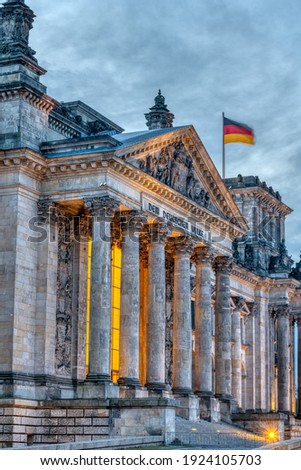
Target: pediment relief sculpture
column 172, row 165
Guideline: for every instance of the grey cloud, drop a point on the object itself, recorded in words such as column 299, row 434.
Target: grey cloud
column 207, row 56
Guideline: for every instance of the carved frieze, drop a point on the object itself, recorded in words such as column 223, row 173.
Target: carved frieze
column 173, row 166
column 64, row 313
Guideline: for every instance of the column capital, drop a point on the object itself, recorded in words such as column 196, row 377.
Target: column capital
column 203, row 255
column 253, row 308
column 239, row 303
column 182, row 245
column 280, row 311
column 104, row 206
column 49, row 212
column 297, row 319
column 131, row 221
column 157, row 232
column 223, row 265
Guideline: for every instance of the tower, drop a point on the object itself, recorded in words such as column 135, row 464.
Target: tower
column 24, row 104
column 159, row 116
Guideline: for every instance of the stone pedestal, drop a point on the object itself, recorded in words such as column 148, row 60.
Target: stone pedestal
column 223, row 268
column 182, row 333
column 210, row 409
column 102, row 210
column 131, row 225
column 188, row 406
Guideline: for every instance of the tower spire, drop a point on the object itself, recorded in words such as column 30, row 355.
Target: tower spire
column 159, row 116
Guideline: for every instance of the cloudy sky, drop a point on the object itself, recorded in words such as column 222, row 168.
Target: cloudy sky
column 207, row 56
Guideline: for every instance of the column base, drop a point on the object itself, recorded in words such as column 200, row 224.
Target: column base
column 203, row 393
column 132, row 382
column 99, row 378
column 156, row 386
column 182, row 391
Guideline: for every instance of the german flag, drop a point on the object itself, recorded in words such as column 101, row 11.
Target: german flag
column 237, row 132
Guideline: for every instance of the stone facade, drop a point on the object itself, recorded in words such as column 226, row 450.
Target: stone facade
column 205, row 304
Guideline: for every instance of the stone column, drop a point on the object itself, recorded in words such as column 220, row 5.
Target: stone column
column 102, row 210
column 203, row 258
column 182, row 334
column 143, row 312
column 131, row 225
column 223, row 268
column 156, row 307
column 250, row 356
column 236, row 351
column 282, row 313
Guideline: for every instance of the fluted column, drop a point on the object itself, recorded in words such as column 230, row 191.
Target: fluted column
column 236, row 350
column 131, row 225
column 223, row 268
column 203, row 258
column 182, row 340
column 282, row 312
column 102, row 209
column 156, row 307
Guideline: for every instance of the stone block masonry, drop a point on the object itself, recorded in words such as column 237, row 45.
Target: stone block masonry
column 28, row 423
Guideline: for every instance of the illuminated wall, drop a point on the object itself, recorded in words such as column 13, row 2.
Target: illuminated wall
column 116, row 291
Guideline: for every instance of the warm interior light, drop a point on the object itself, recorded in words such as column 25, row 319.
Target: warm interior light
column 272, row 435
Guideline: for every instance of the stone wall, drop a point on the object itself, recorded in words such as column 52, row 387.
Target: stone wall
column 26, row 423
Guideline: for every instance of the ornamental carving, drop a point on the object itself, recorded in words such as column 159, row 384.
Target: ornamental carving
column 239, row 302
column 132, row 221
column 223, row 265
column 64, row 312
column 280, row 311
column 16, row 21
column 182, row 245
column 157, row 232
column 173, row 166
column 49, row 212
column 101, row 206
column 203, row 255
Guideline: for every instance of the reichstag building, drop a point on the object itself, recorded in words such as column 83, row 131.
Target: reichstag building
column 136, row 285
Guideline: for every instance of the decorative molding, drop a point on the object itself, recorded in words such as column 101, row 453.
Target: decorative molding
column 182, row 245
column 223, row 265
column 104, row 207
column 157, row 232
column 203, row 255
column 42, row 102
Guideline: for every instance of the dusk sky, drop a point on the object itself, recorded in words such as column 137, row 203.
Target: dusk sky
column 207, row 56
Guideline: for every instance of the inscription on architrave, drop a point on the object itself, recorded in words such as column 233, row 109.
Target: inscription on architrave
column 173, row 166
column 64, row 311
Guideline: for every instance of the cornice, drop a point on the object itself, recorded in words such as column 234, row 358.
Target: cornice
column 264, row 196
column 49, row 168
column 40, row 101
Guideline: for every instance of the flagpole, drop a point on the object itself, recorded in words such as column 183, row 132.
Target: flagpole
column 223, row 146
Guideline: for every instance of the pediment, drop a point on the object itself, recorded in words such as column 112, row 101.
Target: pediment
column 178, row 159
